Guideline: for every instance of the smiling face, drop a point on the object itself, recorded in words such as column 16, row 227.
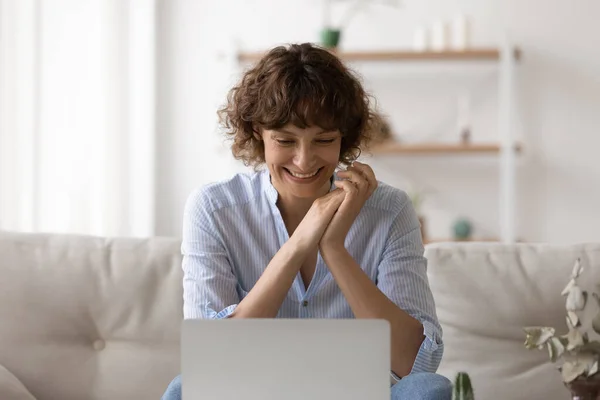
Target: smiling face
column 301, row 161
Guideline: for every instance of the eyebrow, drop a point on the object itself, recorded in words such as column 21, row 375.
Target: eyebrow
column 282, row 130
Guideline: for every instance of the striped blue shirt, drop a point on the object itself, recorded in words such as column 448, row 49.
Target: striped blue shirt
column 232, row 230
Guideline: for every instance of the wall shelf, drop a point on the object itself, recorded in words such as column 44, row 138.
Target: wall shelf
column 437, row 148
column 478, row 54
column 506, row 56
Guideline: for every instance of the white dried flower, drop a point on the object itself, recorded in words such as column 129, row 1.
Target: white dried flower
column 571, row 370
column 555, row 348
column 577, row 269
column 574, row 337
column 593, row 369
column 576, row 299
column 568, row 288
column 581, row 356
column 537, row 336
column 573, row 318
column 596, row 320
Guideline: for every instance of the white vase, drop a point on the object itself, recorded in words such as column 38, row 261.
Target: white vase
column 439, row 35
column 421, row 39
column 460, row 36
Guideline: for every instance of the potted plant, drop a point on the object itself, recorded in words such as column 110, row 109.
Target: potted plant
column 332, row 30
column 462, row 389
column 579, row 354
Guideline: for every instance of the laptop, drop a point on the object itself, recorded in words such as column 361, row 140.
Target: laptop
column 285, row 359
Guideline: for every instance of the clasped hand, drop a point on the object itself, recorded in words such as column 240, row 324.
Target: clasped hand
column 331, row 216
column 358, row 183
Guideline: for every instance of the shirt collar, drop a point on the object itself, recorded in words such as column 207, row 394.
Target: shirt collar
column 271, row 192
column 268, row 187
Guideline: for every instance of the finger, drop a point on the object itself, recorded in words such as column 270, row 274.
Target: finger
column 359, row 179
column 356, row 170
column 368, row 173
column 338, row 196
column 335, row 197
column 365, row 171
column 347, row 186
column 334, row 193
column 355, row 176
column 328, row 204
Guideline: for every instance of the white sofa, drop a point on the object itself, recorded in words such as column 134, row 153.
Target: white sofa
column 486, row 293
column 94, row 318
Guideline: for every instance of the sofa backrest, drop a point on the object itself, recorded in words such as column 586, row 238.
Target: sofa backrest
column 486, row 293
column 90, row 318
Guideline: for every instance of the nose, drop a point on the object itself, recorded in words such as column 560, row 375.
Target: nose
column 304, row 158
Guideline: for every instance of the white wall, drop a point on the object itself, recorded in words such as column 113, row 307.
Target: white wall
column 76, row 127
column 558, row 104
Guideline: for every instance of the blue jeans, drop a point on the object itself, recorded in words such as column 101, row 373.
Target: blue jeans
column 417, row 386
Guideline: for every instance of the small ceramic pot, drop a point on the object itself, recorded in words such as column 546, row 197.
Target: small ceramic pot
column 330, row 38
column 585, row 388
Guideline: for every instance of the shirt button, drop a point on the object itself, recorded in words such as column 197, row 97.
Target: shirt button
column 304, row 303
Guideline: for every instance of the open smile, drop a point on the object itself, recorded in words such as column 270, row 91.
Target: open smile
column 303, row 177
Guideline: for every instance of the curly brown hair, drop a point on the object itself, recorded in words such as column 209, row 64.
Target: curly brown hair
column 301, row 84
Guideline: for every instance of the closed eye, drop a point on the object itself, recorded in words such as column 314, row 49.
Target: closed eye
column 325, row 141
column 285, row 142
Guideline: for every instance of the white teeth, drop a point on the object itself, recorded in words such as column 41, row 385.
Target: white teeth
column 303, row 176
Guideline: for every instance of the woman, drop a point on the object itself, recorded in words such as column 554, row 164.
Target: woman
column 298, row 240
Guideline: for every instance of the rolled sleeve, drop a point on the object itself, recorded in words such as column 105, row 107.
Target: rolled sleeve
column 430, row 353
column 209, row 285
column 402, row 277
column 224, row 313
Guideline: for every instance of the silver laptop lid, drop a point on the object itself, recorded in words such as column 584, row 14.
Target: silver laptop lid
column 264, row 359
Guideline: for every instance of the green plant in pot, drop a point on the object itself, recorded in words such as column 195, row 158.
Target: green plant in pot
column 331, row 33
column 580, row 355
column 462, row 389
column 462, row 229
column 330, row 37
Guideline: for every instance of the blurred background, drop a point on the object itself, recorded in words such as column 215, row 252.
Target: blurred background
column 108, row 108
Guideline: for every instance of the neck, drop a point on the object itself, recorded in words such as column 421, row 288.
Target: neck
column 293, row 209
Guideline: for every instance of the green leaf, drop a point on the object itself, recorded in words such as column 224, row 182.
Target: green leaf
column 463, row 390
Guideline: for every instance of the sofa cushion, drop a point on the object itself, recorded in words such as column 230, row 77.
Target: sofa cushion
column 90, row 318
column 486, row 293
column 11, row 388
